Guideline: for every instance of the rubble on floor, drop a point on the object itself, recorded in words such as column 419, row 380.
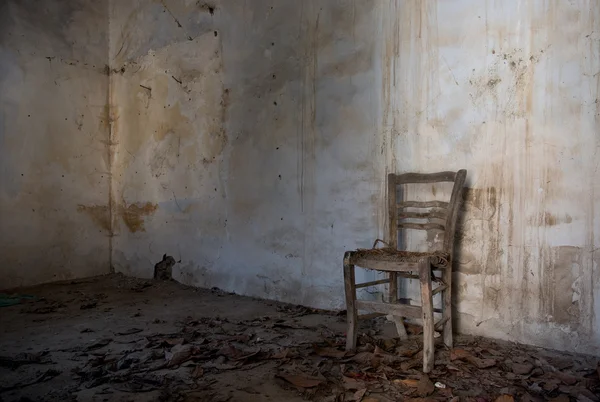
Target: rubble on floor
column 114, row 338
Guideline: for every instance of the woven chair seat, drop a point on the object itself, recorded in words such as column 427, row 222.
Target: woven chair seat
column 389, row 254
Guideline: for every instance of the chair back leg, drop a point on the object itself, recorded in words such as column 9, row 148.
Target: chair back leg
column 427, row 310
column 351, row 313
column 447, row 306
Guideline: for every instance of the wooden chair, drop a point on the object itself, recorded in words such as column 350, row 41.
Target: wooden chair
column 402, row 263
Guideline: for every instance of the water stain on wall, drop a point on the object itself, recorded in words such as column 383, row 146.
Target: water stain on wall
column 98, row 213
column 133, row 215
column 549, row 219
column 479, row 218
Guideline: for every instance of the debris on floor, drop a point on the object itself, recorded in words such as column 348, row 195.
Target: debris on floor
column 163, row 270
column 10, row 300
column 161, row 341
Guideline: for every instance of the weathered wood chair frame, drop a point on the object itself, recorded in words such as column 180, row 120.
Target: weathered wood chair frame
column 439, row 210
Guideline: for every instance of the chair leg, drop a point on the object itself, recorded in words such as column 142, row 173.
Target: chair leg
column 351, row 313
column 393, row 298
column 447, row 306
column 427, row 311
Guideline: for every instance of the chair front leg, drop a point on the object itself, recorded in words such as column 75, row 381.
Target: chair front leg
column 351, row 313
column 427, row 312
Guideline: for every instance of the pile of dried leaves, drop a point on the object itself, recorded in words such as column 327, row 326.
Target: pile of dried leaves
column 185, row 365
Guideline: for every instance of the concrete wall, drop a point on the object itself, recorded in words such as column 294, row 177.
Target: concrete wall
column 54, row 172
column 509, row 90
column 248, row 141
column 254, row 139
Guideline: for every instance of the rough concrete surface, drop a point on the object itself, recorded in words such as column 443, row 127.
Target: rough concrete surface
column 114, row 338
column 53, row 140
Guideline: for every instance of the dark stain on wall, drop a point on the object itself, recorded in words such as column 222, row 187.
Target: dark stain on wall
column 133, row 215
column 99, row 214
column 480, row 207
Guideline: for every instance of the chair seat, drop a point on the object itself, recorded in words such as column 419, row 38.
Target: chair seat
column 391, row 259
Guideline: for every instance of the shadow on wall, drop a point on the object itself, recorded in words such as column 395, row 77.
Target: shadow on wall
column 458, row 250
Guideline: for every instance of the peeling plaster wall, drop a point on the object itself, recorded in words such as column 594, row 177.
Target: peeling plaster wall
column 251, row 141
column 53, row 140
column 250, row 128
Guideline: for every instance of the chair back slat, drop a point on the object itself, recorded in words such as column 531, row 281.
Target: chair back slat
column 438, row 213
column 422, row 226
column 423, row 204
column 425, row 215
column 407, row 178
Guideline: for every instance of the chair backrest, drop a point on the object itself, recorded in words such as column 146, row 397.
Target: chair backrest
column 434, row 215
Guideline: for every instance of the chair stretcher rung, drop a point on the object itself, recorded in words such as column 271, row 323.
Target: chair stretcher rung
column 439, row 289
column 373, row 283
column 370, row 316
column 438, row 325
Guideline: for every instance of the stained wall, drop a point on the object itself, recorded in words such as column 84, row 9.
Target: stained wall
column 250, row 140
column 54, row 171
column 256, row 138
column 509, row 90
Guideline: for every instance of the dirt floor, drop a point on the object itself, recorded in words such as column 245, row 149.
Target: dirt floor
column 114, row 338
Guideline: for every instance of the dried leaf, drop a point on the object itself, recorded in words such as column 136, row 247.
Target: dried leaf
column 461, row 354
column 457, row 354
column 282, row 354
column 378, row 398
column 197, row 372
column 482, row 363
column 405, row 366
column 560, row 398
column 351, row 383
column 179, row 354
column 551, row 385
column 565, row 378
column 358, row 395
column 420, row 400
column 302, row 381
column 522, row 369
column 407, row 382
column 404, row 352
column 366, row 358
column 505, row 398
column 330, row 352
column 172, row 341
column 585, row 395
column 130, row 331
column 246, row 355
column 425, row 387
column 100, row 344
